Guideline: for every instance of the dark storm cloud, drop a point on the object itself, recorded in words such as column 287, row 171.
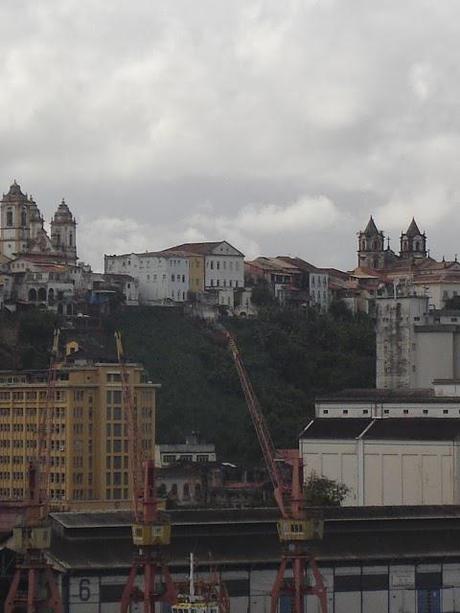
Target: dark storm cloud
column 279, row 126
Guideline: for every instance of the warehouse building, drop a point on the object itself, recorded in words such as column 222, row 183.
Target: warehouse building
column 386, row 461
column 379, row 560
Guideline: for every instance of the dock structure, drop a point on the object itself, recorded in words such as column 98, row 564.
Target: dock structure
column 372, row 558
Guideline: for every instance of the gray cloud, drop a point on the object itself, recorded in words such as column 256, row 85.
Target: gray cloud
column 166, row 121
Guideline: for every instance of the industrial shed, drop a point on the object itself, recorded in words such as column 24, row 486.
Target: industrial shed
column 386, row 461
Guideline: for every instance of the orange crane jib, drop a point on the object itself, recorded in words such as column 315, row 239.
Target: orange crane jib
column 296, row 531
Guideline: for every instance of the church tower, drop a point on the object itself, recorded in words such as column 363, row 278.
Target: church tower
column 413, row 242
column 371, row 247
column 14, row 212
column 63, row 233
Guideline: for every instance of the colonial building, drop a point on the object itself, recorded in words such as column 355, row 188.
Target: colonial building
column 382, row 272
column 291, row 280
column 162, row 276
column 373, row 254
column 42, row 271
column 22, row 229
column 223, row 263
column 191, row 271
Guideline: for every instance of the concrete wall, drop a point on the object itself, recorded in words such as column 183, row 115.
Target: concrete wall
column 387, row 472
column 434, row 357
column 349, row 408
column 395, row 340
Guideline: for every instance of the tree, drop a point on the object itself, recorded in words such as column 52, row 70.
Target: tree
column 262, row 294
column 324, row 492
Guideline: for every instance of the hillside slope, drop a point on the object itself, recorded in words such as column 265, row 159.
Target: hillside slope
column 290, row 358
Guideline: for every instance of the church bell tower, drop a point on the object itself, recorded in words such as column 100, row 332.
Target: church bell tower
column 371, row 247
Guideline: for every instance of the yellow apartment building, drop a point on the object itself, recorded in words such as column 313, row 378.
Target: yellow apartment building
column 89, row 445
column 196, row 273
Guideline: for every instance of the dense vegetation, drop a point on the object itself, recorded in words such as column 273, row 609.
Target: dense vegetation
column 291, row 356
column 25, row 339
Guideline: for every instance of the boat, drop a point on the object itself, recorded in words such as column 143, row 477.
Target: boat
column 201, row 595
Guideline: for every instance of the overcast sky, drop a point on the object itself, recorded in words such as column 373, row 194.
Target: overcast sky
column 277, row 125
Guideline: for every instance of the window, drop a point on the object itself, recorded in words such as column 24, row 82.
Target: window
column 113, row 377
column 345, row 411
column 445, row 411
column 406, row 411
column 9, row 217
column 202, row 458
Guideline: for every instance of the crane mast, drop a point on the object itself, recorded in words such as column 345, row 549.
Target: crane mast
column 32, row 537
column 151, row 531
column 295, row 530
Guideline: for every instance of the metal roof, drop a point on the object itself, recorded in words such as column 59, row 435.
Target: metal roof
column 387, row 428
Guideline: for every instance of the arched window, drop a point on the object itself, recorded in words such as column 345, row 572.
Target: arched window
column 70, row 239
column 50, row 295
column 9, row 217
column 23, row 218
column 186, row 491
column 197, row 491
column 32, row 295
column 42, row 294
column 69, row 309
column 363, row 245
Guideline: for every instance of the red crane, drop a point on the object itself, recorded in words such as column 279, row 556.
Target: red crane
column 295, row 529
column 151, row 530
column 34, row 587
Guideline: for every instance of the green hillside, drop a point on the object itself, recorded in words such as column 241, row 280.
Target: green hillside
column 291, row 358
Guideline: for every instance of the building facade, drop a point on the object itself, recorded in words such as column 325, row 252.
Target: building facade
column 89, row 447
column 395, row 560
column 22, row 228
column 291, row 280
column 161, row 276
column 415, row 344
column 386, row 462
column 223, row 263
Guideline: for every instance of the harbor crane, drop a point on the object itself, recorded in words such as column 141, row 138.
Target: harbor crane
column 296, row 530
column 34, row 588
column 151, row 530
